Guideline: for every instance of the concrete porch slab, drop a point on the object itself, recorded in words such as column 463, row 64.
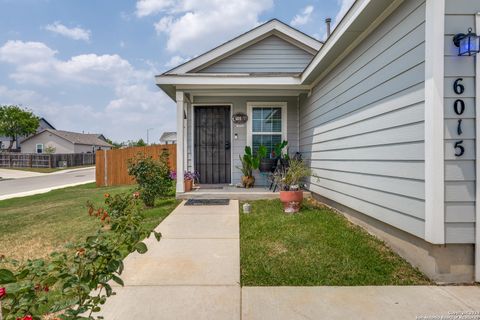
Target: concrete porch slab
column 198, row 226
column 174, row 302
column 185, row 262
column 383, row 302
column 232, row 192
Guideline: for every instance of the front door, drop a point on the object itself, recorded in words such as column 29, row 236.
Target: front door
column 212, row 144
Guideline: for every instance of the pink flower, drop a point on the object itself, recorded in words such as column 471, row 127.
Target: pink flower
column 3, row 292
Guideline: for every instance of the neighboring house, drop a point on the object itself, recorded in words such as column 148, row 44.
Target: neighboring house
column 383, row 112
column 168, row 138
column 64, row 142
column 5, row 141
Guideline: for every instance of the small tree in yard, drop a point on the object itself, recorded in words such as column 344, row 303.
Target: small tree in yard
column 15, row 121
column 152, row 176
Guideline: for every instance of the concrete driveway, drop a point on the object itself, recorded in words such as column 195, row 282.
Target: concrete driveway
column 25, row 185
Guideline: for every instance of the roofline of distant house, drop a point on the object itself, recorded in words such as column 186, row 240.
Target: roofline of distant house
column 52, row 131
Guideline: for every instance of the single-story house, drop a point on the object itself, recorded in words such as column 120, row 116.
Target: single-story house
column 383, row 112
column 61, row 142
column 168, row 137
column 5, row 141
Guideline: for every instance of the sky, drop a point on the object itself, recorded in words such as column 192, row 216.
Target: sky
column 89, row 65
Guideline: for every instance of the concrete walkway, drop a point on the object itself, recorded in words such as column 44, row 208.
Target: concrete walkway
column 194, row 273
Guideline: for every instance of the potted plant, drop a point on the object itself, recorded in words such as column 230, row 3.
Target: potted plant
column 289, row 179
column 269, row 164
column 189, row 178
column 249, row 163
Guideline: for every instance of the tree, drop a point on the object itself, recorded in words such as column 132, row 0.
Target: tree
column 15, row 122
column 140, row 143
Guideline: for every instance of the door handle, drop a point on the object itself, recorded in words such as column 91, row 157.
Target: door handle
column 227, row 145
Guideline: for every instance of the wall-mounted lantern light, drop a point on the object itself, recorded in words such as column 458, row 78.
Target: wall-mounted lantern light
column 468, row 44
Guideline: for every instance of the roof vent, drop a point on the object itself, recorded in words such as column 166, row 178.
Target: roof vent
column 328, row 21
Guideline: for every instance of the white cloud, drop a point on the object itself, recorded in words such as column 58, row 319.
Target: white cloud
column 133, row 100
column 175, row 61
column 303, row 17
column 75, row 33
column 345, row 5
column 193, row 26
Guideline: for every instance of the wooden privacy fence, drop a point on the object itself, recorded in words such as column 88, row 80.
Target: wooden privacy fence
column 112, row 165
column 34, row 160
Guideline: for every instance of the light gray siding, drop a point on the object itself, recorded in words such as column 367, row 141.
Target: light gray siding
column 240, row 105
column 271, row 54
column 459, row 171
column 362, row 127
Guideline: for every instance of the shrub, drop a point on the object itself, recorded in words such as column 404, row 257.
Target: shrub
column 152, row 176
column 81, row 280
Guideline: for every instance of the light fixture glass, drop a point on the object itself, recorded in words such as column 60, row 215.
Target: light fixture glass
column 468, row 44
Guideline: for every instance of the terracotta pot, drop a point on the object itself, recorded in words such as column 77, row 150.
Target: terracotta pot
column 248, row 182
column 188, row 185
column 292, row 200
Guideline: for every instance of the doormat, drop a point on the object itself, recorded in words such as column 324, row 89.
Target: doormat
column 207, row 202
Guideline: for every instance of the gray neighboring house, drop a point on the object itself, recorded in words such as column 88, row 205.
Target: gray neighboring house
column 383, row 112
column 5, row 141
column 168, row 138
column 65, row 142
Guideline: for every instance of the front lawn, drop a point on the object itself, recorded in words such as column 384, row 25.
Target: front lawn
column 315, row 247
column 35, row 226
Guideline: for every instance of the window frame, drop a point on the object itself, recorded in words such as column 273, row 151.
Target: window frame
column 36, row 148
column 252, row 105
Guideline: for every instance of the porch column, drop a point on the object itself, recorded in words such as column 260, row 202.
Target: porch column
column 180, row 97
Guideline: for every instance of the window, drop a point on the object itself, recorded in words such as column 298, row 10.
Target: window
column 39, row 148
column 267, row 125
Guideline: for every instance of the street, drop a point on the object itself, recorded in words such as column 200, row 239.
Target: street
column 44, row 182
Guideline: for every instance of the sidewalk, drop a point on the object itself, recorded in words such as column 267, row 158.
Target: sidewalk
column 192, row 273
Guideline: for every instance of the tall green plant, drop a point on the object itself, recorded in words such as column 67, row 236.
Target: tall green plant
column 15, row 122
column 250, row 161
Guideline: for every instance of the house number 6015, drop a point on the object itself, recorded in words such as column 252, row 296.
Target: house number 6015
column 459, row 109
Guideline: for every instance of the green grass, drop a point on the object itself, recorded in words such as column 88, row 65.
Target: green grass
column 35, row 226
column 48, row 170
column 315, row 247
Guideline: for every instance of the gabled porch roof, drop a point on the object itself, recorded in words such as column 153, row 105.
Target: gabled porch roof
column 362, row 18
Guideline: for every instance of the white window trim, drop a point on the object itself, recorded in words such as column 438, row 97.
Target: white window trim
column 251, row 105
column 36, row 148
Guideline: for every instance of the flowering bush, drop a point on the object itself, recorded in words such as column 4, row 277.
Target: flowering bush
column 82, row 278
column 152, row 176
column 188, row 175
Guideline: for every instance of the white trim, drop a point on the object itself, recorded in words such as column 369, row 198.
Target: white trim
column 434, row 122
column 251, row 105
column 36, row 148
column 477, row 162
column 272, row 27
column 180, row 98
column 230, row 80
column 192, row 129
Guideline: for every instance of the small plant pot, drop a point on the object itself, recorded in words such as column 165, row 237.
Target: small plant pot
column 292, row 200
column 266, row 165
column 188, row 185
column 248, row 181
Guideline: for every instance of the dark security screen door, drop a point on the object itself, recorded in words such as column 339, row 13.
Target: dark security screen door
column 212, row 144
